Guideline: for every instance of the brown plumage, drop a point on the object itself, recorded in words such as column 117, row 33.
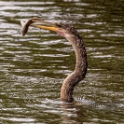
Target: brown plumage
column 71, row 34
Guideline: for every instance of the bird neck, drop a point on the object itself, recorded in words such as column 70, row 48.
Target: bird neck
column 80, row 69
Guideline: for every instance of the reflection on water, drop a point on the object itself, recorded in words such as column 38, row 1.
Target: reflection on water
column 33, row 67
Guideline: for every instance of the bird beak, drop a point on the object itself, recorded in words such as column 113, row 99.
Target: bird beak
column 45, row 27
column 38, row 23
column 59, row 31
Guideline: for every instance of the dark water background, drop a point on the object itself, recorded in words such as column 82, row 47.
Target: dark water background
column 32, row 68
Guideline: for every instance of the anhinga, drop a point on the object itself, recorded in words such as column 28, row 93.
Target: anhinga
column 71, row 34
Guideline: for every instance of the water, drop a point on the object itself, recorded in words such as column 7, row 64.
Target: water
column 33, row 67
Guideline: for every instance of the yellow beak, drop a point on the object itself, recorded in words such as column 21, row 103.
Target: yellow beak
column 46, row 27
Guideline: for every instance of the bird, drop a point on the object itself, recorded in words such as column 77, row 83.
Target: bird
column 70, row 33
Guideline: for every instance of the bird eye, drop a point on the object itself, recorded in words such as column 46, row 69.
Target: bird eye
column 59, row 25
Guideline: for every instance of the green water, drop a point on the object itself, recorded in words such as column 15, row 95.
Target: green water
column 32, row 68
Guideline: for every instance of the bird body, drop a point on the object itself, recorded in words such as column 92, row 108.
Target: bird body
column 81, row 63
column 71, row 34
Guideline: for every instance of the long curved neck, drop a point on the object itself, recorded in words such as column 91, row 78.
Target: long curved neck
column 80, row 68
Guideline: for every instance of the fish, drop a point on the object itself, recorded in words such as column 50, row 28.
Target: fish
column 25, row 26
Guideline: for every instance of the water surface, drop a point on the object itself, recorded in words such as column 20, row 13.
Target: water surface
column 33, row 67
